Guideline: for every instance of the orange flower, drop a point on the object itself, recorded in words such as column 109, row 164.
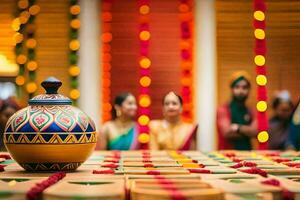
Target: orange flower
column 35, row 9
column 106, row 37
column 75, row 9
column 32, row 65
column 20, row 80
column 75, row 23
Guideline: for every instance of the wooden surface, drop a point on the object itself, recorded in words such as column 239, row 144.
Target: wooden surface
column 140, row 181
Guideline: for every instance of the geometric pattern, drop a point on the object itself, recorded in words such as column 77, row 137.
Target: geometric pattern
column 55, row 119
column 41, row 120
column 65, row 121
column 54, row 125
column 20, row 119
column 50, row 138
column 51, row 166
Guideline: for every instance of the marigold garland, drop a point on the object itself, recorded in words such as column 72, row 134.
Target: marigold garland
column 260, row 51
column 106, row 38
column 74, row 45
column 25, row 46
column 144, row 62
column 186, row 48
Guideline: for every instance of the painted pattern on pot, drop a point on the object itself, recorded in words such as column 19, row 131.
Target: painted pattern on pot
column 50, row 134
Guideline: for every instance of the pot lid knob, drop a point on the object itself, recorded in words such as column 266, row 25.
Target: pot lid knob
column 51, row 85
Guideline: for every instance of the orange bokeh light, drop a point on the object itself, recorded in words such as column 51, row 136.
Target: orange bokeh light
column 106, row 16
column 106, row 57
column 23, row 4
column 32, row 65
column 184, row 44
column 145, row 62
column 21, row 59
column 106, row 82
column 75, row 23
column 144, row 9
column 20, row 80
column 106, row 66
column 143, row 120
column 144, row 100
column 16, row 24
column 107, row 107
column 74, row 45
column 145, row 35
column 75, row 9
column 74, row 94
column 106, row 75
column 24, row 16
column 183, row 7
column 35, row 9
column 186, row 65
column 106, row 47
column 74, row 70
column 186, row 81
column 31, row 87
column 106, row 37
column 31, row 43
column 145, row 81
column 186, row 16
column 18, row 37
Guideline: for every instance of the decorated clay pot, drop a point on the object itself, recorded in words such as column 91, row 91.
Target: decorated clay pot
column 50, row 134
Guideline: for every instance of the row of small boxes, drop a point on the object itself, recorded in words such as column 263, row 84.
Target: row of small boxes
column 166, row 175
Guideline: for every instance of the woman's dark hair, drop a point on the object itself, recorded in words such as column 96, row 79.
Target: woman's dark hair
column 177, row 95
column 277, row 101
column 119, row 99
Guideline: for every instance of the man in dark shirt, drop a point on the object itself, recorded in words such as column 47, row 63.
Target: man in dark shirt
column 236, row 123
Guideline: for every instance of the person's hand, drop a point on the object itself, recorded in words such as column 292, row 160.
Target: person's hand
column 234, row 128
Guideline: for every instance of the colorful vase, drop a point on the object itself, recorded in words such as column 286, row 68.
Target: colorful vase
column 50, row 134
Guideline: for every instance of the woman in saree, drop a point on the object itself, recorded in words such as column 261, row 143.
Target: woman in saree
column 121, row 132
column 171, row 133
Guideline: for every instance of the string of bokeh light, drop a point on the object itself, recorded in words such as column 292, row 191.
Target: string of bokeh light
column 74, row 45
column 106, row 38
column 144, row 99
column 261, row 78
column 186, row 48
column 25, row 45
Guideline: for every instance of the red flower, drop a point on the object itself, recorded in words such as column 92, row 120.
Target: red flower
column 2, row 168
column 273, row 182
column 110, row 165
column 280, row 160
column 106, row 171
column 230, row 154
column 255, row 170
column 249, row 164
column 153, row 172
column 148, row 165
column 200, row 171
column 236, row 160
column 5, row 156
column 36, row 190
